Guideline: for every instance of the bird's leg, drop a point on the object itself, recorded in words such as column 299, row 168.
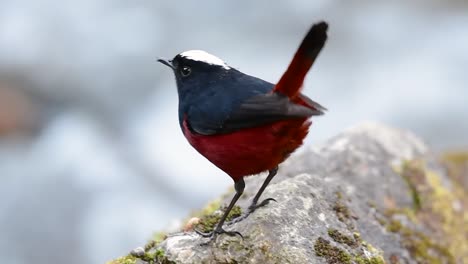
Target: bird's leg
column 254, row 205
column 239, row 186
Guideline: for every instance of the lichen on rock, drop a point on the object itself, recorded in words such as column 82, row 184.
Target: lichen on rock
column 438, row 208
column 339, row 237
column 208, row 221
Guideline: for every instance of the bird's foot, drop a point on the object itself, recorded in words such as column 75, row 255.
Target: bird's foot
column 254, row 207
column 214, row 234
column 251, row 209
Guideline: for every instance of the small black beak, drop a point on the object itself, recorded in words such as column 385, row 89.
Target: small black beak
column 168, row 63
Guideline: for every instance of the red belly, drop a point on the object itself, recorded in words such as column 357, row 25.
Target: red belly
column 253, row 150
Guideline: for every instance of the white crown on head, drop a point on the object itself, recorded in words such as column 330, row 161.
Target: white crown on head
column 203, row 56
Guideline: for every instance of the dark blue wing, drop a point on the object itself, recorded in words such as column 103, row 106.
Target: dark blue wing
column 244, row 104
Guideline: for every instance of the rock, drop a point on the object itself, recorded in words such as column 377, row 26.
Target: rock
column 373, row 194
column 138, row 252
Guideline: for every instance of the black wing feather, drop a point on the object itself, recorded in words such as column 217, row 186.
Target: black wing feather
column 313, row 104
column 264, row 109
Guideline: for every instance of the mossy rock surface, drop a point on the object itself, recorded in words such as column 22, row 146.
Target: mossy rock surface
column 371, row 195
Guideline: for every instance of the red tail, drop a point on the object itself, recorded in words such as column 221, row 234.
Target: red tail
column 291, row 82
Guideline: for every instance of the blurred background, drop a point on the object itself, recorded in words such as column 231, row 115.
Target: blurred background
column 92, row 160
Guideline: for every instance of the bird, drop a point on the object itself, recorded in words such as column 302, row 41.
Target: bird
column 243, row 124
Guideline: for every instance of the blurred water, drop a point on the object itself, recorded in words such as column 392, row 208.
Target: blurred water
column 103, row 164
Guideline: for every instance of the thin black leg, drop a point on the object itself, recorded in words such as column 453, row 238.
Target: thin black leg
column 239, row 186
column 254, row 205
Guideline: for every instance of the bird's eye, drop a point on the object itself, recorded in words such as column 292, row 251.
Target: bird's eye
column 185, row 71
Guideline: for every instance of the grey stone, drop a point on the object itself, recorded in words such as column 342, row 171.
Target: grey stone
column 138, row 252
column 350, row 188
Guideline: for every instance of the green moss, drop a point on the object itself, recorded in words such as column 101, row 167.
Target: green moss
column 332, row 254
column 235, row 212
column 434, row 207
column 151, row 244
column 210, row 215
column 157, row 239
column 337, row 236
column 454, row 223
column 208, row 222
column 124, row 260
column 159, row 257
column 394, row 226
column 411, row 174
column 357, row 237
column 376, row 258
column 420, row 246
column 424, row 250
column 341, row 210
column 354, row 242
column 156, row 256
column 371, row 260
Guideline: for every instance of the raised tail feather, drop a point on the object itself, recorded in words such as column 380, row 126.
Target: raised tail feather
column 291, row 82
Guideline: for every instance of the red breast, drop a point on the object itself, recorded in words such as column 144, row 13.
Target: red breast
column 253, row 150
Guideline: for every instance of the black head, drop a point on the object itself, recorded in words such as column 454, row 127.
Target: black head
column 195, row 70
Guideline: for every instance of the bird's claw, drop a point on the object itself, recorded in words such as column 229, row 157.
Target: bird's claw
column 204, row 234
column 254, row 207
column 213, row 234
column 250, row 210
